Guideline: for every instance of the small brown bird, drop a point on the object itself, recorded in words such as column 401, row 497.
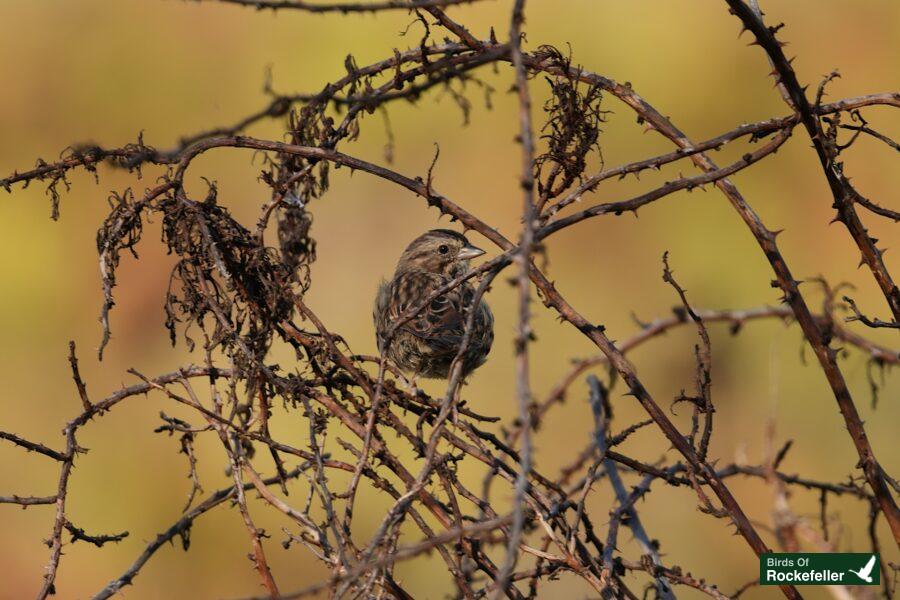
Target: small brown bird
column 426, row 345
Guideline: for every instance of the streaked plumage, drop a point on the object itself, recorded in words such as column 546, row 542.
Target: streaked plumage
column 426, row 345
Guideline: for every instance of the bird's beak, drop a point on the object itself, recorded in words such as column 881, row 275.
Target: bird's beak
column 468, row 252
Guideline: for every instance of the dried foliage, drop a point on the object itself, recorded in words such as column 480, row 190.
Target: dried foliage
column 237, row 294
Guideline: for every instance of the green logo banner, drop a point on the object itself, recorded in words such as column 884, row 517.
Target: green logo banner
column 826, row 568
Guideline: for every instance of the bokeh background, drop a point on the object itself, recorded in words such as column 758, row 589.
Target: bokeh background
column 105, row 70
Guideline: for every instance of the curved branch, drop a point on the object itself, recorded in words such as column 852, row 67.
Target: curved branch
column 839, row 184
column 765, row 238
column 342, row 7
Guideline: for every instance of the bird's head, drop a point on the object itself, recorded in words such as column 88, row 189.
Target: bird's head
column 439, row 251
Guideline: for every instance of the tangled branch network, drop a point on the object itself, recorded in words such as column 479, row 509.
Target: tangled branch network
column 235, row 293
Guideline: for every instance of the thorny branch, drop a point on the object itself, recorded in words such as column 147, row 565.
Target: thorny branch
column 843, row 195
column 233, row 298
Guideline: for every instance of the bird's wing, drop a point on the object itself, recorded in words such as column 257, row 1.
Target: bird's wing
column 441, row 323
column 380, row 312
column 866, row 570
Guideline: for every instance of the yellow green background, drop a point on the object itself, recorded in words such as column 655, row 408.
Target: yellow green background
column 105, row 70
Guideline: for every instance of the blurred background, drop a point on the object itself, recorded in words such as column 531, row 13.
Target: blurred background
column 105, row 70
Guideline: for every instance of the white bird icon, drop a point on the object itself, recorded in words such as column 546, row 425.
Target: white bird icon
column 866, row 572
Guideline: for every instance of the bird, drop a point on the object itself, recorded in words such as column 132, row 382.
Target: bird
column 866, row 572
column 426, row 345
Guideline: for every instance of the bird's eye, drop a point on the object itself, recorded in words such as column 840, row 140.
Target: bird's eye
column 443, row 249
